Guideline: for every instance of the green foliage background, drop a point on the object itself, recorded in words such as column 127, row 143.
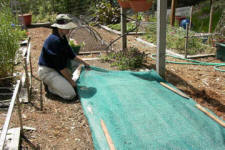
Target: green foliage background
column 201, row 14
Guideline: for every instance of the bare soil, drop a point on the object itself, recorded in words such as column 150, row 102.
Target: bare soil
column 62, row 125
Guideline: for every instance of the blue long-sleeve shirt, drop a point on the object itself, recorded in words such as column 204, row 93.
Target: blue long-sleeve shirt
column 56, row 52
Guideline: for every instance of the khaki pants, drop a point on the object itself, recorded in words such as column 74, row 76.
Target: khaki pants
column 56, row 83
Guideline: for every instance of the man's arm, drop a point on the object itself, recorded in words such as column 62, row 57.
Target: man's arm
column 65, row 72
column 78, row 59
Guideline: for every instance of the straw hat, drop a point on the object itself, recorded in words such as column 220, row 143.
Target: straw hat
column 63, row 21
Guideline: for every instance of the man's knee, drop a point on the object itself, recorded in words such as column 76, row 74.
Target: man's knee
column 69, row 95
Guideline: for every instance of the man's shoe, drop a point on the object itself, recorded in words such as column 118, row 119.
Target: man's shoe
column 46, row 88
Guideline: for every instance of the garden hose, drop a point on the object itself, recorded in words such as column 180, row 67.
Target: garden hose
column 193, row 62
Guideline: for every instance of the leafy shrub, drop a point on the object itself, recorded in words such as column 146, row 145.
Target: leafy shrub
column 9, row 41
column 105, row 13
column 124, row 60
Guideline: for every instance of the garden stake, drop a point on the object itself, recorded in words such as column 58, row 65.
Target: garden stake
column 174, row 90
column 108, row 138
column 210, row 115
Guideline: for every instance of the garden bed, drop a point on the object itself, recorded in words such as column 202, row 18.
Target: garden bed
column 65, row 126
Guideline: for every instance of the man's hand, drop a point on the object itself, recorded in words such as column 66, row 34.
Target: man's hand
column 65, row 72
column 87, row 66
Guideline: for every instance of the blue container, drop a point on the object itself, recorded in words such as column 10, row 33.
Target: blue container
column 184, row 23
column 220, row 51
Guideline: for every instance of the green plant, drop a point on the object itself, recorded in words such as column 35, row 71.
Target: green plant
column 117, row 27
column 175, row 40
column 105, row 13
column 200, row 17
column 9, row 41
column 124, row 60
column 75, row 47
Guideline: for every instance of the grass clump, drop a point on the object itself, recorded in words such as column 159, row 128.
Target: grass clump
column 131, row 59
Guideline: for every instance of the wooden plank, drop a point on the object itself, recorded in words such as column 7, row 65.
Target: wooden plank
column 91, row 52
column 12, row 139
column 27, row 78
column 95, row 58
column 204, row 34
column 200, row 55
column 110, row 30
column 23, row 50
column 119, row 33
column 29, row 128
column 24, row 42
column 174, row 90
column 8, row 117
column 28, row 52
column 23, row 96
column 222, row 123
column 107, row 135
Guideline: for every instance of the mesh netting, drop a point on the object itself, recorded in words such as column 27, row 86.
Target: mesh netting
column 139, row 113
column 90, row 39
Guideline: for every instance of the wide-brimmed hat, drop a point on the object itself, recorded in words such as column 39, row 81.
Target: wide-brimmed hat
column 64, row 21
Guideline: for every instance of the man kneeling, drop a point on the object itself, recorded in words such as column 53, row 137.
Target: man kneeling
column 54, row 57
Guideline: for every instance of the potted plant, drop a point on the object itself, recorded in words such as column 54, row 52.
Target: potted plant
column 25, row 17
column 75, row 47
column 124, row 3
column 140, row 5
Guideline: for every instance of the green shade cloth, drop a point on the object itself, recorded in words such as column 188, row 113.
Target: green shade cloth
column 141, row 114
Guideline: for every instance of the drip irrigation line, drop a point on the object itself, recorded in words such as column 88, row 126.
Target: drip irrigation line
column 193, row 62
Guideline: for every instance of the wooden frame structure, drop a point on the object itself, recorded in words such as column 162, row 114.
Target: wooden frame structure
column 9, row 114
column 29, row 75
column 27, row 79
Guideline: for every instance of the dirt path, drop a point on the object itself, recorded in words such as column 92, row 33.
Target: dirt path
column 63, row 125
